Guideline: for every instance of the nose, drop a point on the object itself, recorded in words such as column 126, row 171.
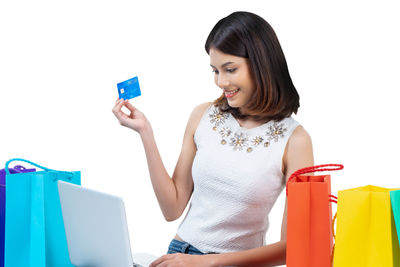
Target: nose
column 222, row 81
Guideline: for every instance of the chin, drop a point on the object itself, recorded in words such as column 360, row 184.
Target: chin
column 233, row 104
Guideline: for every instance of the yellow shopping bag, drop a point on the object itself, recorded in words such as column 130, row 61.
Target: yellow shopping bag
column 365, row 230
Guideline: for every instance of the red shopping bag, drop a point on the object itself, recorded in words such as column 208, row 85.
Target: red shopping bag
column 309, row 218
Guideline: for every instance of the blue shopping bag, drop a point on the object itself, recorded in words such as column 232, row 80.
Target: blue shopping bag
column 16, row 169
column 34, row 230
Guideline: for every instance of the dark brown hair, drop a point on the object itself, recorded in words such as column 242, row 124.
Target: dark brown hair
column 247, row 35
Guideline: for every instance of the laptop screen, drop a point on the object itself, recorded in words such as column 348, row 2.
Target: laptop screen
column 95, row 227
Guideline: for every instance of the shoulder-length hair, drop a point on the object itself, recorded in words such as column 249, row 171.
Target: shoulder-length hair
column 247, row 35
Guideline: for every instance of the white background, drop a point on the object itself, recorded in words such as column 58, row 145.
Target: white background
column 61, row 60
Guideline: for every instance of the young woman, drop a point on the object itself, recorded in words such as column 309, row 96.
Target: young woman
column 237, row 153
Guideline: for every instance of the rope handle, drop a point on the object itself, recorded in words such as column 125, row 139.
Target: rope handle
column 317, row 168
column 334, row 237
column 24, row 160
column 333, row 199
column 34, row 164
column 21, row 168
column 333, row 225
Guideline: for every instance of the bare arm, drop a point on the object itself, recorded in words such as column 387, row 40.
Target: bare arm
column 173, row 193
column 298, row 154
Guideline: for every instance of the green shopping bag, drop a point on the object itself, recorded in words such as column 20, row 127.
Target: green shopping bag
column 34, row 227
column 395, row 201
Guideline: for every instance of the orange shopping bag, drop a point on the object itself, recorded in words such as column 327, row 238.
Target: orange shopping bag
column 309, row 240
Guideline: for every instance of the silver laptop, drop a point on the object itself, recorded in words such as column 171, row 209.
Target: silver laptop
column 95, row 227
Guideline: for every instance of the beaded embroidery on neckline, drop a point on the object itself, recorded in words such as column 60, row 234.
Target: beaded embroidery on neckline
column 241, row 139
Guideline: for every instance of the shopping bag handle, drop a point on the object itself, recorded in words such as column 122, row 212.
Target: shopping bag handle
column 34, row 164
column 317, row 168
column 334, row 237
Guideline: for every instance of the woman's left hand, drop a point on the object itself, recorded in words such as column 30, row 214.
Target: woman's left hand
column 182, row 260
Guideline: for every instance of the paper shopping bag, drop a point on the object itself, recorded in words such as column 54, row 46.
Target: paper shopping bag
column 309, row 218
column 365, row 229
column 395, row 201
column 34, row 230
column 16, row 169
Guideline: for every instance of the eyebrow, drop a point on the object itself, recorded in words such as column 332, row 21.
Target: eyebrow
column 224, row 65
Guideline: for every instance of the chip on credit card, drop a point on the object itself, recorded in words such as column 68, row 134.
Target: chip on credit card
column 129, row 88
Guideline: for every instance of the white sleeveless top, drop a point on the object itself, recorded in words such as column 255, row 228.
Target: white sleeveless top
column 237, row 178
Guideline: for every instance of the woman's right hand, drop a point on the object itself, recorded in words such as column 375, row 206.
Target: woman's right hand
column 135, row 120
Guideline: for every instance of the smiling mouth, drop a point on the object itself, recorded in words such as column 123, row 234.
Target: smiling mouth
column 232, row 93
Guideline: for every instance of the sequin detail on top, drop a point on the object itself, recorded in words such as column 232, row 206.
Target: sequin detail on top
column 240, row 140
column 218, row 118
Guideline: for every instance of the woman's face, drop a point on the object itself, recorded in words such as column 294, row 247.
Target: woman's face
column 232, row 74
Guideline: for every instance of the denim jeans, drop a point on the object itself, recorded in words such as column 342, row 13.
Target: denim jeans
column 177, row 246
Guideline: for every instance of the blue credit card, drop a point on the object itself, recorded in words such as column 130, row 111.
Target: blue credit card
column 129, row 88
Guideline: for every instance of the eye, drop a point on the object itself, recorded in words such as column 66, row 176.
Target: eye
column 215, row 71
column 231, row 70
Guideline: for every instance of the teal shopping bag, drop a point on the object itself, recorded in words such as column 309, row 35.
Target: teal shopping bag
column 34, row 227
column 395, row 201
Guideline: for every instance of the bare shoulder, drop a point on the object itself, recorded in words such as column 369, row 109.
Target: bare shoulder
column 299, row 138
column 199, row 110
column 196, row 116
column 298, row 152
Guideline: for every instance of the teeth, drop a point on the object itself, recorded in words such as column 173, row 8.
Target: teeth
column 232, row 92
